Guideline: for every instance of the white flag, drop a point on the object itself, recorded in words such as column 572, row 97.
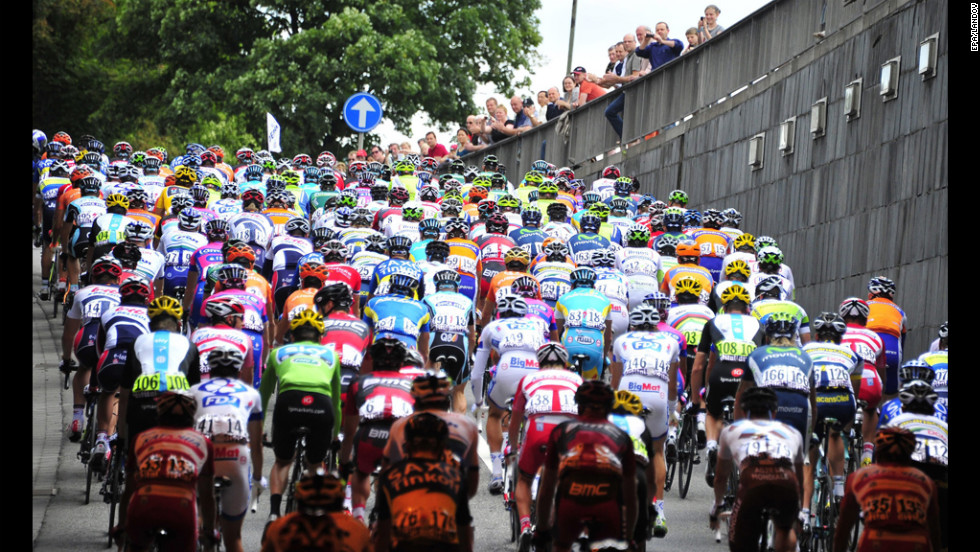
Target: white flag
column 272, row 133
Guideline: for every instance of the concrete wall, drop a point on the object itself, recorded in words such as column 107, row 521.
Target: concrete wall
column 869, row 197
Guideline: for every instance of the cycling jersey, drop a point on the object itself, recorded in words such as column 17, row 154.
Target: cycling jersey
column 675, row 273
column 641, row 266
column 582, row 245
column 452, row 317
column 385, row 269
column 464, row 436
column 763, row 308
column 938, row 361
column 614, row 285
column 466, row 259
column 529, row 238
column 647, row 358
column 789, row 372
column 515, row 342
column 220, row 335
column 896, row 502
column 492, row 247
column 690, row 319
column 333, row 531
column 833, row 367
column 585, row 312
column 869, row 347
column 393, row 316
column 732, row 337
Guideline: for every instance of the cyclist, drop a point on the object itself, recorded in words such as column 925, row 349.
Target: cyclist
column 588, row 239
column 584, row 322
column 81, row 331
column 689, row 317
column 941, row 343
column 398, row 248
column 886, row 493
column 169, row 480
column 834, row 365
column 646, row 362
column 226, row 317
column 452, row 331
column 870, row 348
column 312, row 275
column 888, row 320
column 938, row 360
column 516, row 262
column 627, row 414
column 422, row 502
column 612, row 283
column 512, row 341
column 79, row 216
column 347, row 334
column 688, row 254
column 217, row 232
column 231, row 282
column 434, row 261
column 464, row 257
column 320, row 521
column 377, row 399
column 400, row 316
column 912, row 371
column 768, row 301
column 639, row 263
column 308, row 377
column 713, row 242
column 726, row 343
column 737, row 271
column 590, row 467
column 769, row 264
column 769, row 456
column 178, row 246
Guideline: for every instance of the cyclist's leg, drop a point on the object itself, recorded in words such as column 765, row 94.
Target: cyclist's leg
column 589, row 343
column 232, row 461
column 369, row 444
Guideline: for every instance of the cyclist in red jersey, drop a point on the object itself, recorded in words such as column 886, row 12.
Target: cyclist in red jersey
column 900, row 503
column 335, row 255
column 348, row 334
column 870, row 348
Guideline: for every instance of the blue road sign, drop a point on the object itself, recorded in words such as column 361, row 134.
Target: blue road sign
column 362, row 112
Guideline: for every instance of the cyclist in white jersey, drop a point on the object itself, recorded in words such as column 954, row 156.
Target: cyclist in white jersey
column 645, row 362
column 639, row 263
column 613, row 284
column 513, row 341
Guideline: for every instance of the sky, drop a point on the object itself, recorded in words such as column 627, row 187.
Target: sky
column 599, row 24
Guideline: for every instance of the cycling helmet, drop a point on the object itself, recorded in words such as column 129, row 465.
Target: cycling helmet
column 122, row 150
column 433, row 388
column 253, row 196
column 512, row 306
column 90, row 185
column 600, row 210
column 208, row 158
column 375, row 243
column 403, row 284
column 497, row 224
column 225, row 360
column 829, row 324
column 526, row 287
column 623, row 186
column 479, row 192
column 688, row 285
column 117, row 200
column 80, row 172
column 733, row 218
column 397, row 196
column 603, row 257
column 769, row 288
column 638, row 235
column 555, row 252
column 673, row 219
column 894, row 444
column 533, row 178
column 136, row 288
column 765, row 241
column 307, row 318
column 222, row 307
column 447, row 279
column 39, row 140
column 165, row 306
column 457, row 228
column 128, row 254
column 490, row 163
column 583, row 278
column 769, row 255
column 619, row 206
column 313, row 269
column 456, row 166
column 944, row 331
column 590, row 222
column 738, row 266
column 687, row 249
column 451, row 206
column 497, row 180
column 151, row 165
column 189, row 219
column 782, row 324
column 660, row 301
column 430, row 228
column 176, row 408
column 557, row 212
column 611, row 172
column 231, row 276
column 338, row 293
column 138, row 158
column 185, row 175
column 595, row 393
column 290, row 177
column 200, row 193
column 138, row 231
column 510, row 202
column 644, row 317
column 59, row 168
column 399, row 244
column 245, row 155
column 334, row 251
column 298, row 224
column 412, row 212
column 517, row 255
column 678, row 196
column 916, row 370
column 759, row 400
column 745, row 240
column 735, row 292
column 548, row 189
column 437, row 250
column 62, row 137
column 106, row 264
column 692, row 217
column 253, row 173
column 627, row 403
column 326, row 159
column 854, row 307
column 552, row 353
column 319, row 492
column 328, row 181
column 712, row 218
column 881, row 286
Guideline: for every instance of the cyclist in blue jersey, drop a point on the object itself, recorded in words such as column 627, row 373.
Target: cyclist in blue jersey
column 399, row 316
column 588, row 240
column 452, row 332
column 584, row 319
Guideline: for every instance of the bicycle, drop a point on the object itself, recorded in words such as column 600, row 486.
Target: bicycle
column 112, row 485
column 819, row 535
column 731, row 487
column 220, row 483
column 88, row 438
column 296, row 472
column 687, row 450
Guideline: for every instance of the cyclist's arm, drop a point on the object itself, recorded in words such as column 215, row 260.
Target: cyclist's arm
column 423, row 345
column 255, row 444
column 268, row 383
column 607, row 338
column 516, row 418
column 192, row 278
column 698, row 377
column 672, row 390
column 68, row 337
column 723, row 469
column 476, row 378
column 616, row 369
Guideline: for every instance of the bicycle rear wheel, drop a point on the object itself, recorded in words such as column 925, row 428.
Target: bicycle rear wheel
column 686, row 450
column 115, row 488
column 671, row 470
column 295, row 475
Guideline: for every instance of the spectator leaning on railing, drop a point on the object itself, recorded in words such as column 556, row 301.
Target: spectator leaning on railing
column 630, row 71
column 436, row 150
column 692, row 40
column 658, row 48
column 587, row 87
column 570, row 91
column 708, row 26
column 556, row 105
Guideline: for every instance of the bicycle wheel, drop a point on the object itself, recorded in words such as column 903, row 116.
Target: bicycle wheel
column 85, row 454
column 509, row 502
column 115, row 488
column 671, row 470
column 295, row 474
column 686, row 451
column 822, row 539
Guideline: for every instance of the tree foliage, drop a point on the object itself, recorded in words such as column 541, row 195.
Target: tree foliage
column 193, row 70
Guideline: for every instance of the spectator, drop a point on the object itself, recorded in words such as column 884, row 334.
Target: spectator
column 436, row 150
column 478, row 129
column 466, row 144
column 613, row 60
column 377, row 154
column 556, row 105
column 351, row 156
column 502, row 127
column 642, row 32
column 492, row 107
column 521, row 118
column 692, row 40
column 405, row 148
column 631, row 71
column 423, row 147
column 361, row 155
column 708, row 26
column 393, row 154
column 658, row 48
column 571, row 91
column 587, row 87
column 542, row 106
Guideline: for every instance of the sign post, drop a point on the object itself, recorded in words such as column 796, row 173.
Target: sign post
column 362, row 112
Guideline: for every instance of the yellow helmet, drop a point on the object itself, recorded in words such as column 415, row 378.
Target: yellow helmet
column 744, row 240
column 185, row 175
column 117, row 200
column 517, row 254
column 307, row 317
column 738, row 266
column 165, row 306
column 735, row 292
column 688, row 284
column 628, row 402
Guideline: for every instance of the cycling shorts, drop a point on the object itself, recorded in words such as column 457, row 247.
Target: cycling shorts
column 258, row 360
column 295, row 409
column 174, row 277
column 713, row 264
column 794, row 411
column 141, row 414
column 468, row 286
column 456, row 362
column 504, row 384
column 893, row 359
column 78, row 243
column 86, row 340
column 589, row 500
column 771, row 486
column 233, row 460
column 620, row 317
column 536, row 441
column 653, row 395
column 722, row 382
column 580, row 341
column 870, row 387
column 837, row 404
column 110, row 369
column 369, row 444
column 149, row 511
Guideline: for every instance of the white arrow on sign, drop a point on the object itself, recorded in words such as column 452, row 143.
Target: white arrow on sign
column 362, row 108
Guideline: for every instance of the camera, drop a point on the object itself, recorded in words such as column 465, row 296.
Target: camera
column 528, row 102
